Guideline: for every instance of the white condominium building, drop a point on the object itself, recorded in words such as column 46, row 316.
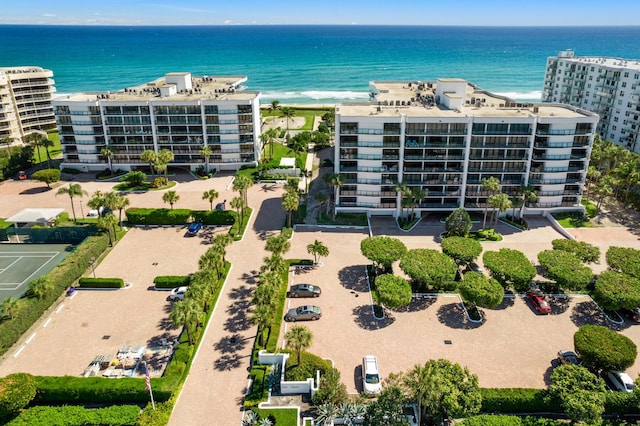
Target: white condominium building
column 178, row 112
column 25, row 102
column 610, row 87
column 446, row 136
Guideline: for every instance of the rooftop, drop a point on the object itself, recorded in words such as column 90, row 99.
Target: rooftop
column 422, row 99
column 202, row 88
column 632, row 64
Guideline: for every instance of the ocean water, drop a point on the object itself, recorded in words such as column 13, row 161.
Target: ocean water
column 308, row 64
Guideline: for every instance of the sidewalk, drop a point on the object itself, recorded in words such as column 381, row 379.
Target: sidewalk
column 214, row 390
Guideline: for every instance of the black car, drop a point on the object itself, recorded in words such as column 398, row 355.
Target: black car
column 304, row 290
column 568, row 357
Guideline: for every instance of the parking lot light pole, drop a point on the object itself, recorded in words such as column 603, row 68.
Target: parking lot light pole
column 93, row 269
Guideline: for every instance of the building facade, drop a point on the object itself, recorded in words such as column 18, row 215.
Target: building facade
column 177, row 112
column 25, row 102
column 445, row 137
column 610, row 87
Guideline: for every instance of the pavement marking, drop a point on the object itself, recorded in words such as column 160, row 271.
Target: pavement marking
column 31, row 338
column 75, row 293
column 46, row 323
column 18, row 353
column 59, row 308
column 450, row 295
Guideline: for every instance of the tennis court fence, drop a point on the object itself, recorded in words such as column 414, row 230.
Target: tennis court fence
column 56, row 235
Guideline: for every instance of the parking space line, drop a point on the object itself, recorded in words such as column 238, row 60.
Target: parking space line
column 59, row 308
column 75, row 293
column 31, row 338
column 18, row 352
column 46, row 323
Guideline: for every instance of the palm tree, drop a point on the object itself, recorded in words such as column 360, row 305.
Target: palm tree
column 212, row 260
column 40, row 287
column 210, row 195
column 97, row 200
column 107, row 153
column 320, row 198
column 501, row 203
column 335, row 180
column 242, row 183
column 223, row 240
column 238, row 204
column 318, row 250
column 273, row 263
column 491, row 185
column 185, row 313
column 262, row 316
column 117, row 202
column 299, row 338
column 290, row 203
column 149, row 156
column 170, row 197
column 277, row 244
column 628, row 175
column 297, row 145
column 417, row 194
column 9, row 306
column 418, row 380
column 593, row 175
column 604, row 189
column 165, row 156
column 326, row 413
column 529, row 195
column 206, row 152
column 108, row 223
column 36, row 140
column 287, row 113
column 403, row 190
column 74, row 190
column 274, row 106
column 46, row 144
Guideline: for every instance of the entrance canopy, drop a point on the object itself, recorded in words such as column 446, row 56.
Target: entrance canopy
column 35, row 216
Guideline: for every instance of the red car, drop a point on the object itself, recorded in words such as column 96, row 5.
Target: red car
column 538, row 301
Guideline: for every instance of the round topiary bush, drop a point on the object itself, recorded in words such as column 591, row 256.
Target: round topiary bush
column 16, row 392
column 393, row 291
column 602, row 349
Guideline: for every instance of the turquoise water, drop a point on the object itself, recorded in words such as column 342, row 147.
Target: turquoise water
column 307, row 64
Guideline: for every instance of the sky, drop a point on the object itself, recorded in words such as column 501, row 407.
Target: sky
column 322, row 12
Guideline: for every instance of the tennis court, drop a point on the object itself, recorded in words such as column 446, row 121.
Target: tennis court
column 20, row 263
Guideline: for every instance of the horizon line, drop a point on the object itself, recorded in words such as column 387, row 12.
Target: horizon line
column 317, row 25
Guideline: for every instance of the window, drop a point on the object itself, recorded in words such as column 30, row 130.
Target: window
column 626, row 75
column 615, row 119
column 624, row 84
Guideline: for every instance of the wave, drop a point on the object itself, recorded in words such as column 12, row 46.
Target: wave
column 317, row 94
column 535, row 95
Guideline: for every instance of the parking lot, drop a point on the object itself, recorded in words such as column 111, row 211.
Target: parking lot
column 514, row 347
column 100, row 322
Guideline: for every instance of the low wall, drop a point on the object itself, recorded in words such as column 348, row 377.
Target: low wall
column 289, row 388
column 554, row 223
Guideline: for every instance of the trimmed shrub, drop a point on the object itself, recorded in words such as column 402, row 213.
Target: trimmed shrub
column 621, row 403
column 217, row 217
column 491, row 420
column 158, row 417
column 73, row 415
column 615, row 291
column 54, row 390
column 47, row 176
column 89, row 282
column 309, row 364
column 16, row 392
column 517, row 400
column 393, row 291
column 171, row 281
column 625, row 260
column 565, row 269
column 481, row 290
column 509, row 267
column 382, row 251
column 148, row 216
column 603, row 349
column 584, row 251
column 462, row 250
column 430, row 268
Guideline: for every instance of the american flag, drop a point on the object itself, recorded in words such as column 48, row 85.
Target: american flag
column 147, row 379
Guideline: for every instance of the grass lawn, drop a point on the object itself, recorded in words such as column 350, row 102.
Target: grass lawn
column 307, row 113
column 572, row 222
column 146, row 186
column 283, row 416
column 54, row 151
column 347, row 219
column 590, row 208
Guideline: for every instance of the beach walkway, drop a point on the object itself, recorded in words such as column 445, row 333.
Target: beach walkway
column 214, row 390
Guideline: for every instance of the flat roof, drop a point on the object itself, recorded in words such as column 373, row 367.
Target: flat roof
column 418, row 99
column 203, row 88
column 34, row 215
column 631, row 64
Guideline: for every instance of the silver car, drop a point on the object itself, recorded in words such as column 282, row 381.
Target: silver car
column 304, row 290
column 303, row 313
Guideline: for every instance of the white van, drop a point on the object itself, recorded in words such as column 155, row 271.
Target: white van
column 371, row 382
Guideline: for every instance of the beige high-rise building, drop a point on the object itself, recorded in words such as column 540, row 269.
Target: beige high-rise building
column 25, row 102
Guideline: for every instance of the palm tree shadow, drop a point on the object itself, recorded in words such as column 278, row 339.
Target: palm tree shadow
column 353, row 278
column 230, row 344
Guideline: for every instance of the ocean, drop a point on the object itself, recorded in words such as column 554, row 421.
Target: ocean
column 307, row 64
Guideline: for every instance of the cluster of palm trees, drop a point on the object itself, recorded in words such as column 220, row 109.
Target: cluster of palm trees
column 613, row 170
column 500, row 202
column 291, row 199
column 241, row 184
column 265, row 296
column 335, row 181
column 113, row 201
column 158, row 161
column 411, row 196
column 39, row 139
column 190, row 312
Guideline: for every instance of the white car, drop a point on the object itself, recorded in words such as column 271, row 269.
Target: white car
column 621, row 381
column 371, row 382
column 178, row 293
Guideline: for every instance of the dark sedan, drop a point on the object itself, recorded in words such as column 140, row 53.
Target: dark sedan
column 304, row 290
column 303, row 313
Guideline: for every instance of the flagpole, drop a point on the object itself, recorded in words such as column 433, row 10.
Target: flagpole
column 148, row 385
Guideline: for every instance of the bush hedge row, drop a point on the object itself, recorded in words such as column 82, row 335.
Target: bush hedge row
column 62, row 277
column 149, row 216
column 171, row 281
column 73, row 415
column 89, row 282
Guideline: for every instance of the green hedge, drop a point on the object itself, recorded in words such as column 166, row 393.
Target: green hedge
column 88, row 282
column 171, row 281
column 149, row 216
column 72, row 415
column 62, row 276
column 517, row 400
column 621, row 403
column 56, row 390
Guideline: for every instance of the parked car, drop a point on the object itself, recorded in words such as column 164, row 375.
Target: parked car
column 632, row 314
column 473, row 266
column 371, row 383
column 178, row 293
column 194, row 228
column 539, row 302
column 568, row 357
column 303, row 313
column 304, row 290
column 620, row 381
